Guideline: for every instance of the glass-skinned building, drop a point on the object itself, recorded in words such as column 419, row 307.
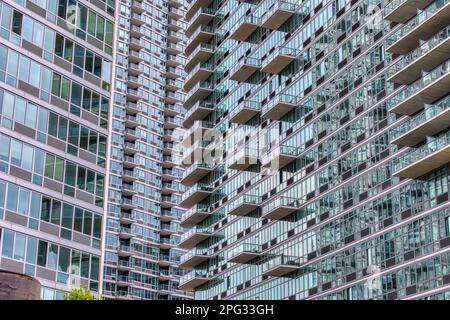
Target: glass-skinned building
column 55, row 81
column 142, row 228
column 317, row 150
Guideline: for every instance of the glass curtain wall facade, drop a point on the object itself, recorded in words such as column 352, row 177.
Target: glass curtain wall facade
column 55, row 81
column 142, row 229
column 317, row 151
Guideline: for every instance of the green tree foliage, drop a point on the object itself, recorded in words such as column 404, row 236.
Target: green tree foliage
column 81, row 293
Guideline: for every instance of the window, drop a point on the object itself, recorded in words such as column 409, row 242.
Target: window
column 19, row 247
column 45, row 209
column 42, row 254
column 56, row 212
column 8, row 243
column 67, row 216
column 78, row 220
column 64, row 259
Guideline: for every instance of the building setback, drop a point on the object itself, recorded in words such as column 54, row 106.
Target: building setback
column 319, row 158
column 142, row 224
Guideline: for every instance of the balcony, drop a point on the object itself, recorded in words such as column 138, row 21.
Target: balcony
column 132, row 108
column 279, row 59
column 169, row 174
column 133, row 95
column 401, row 11
column 192, row 280
column 244, row 158
column 279, row 106
column 278, row 14
column 197, row 131
column 175, row 25
column 198, row 112
column 194, row 216
column 244, row 69
column 174, row 73
column 203, row 52
column 428, row 56
column 169, row 229
column 244, row 205
column 129, row 162
column 202, row 17
column 136, row 6
column 168, row 260
column 136, row 44
column 418, row 162
column 195, row 194
column 131, row 134
column 280, row 156
column 280, row 208
column 201, row 72
column 125, row 233
column 167, row 243
column 193, row 7
column 193, row 237
column 245, row 27
column 169, row 215
column 136, row 32
column 129, row 148
column 128, row 176
column 124, row 265
column 281, row 265
column 202, row 34
column 173, row 109
column 423, row 26
column 199, row 92
column 175, row 13
column 127, row 204
column 137, row 19
column 174, row 48
column 128, row 189
column 198, row 152
column 127, row 218
column 245, row 111
column 434, row 119
column 134, row 69
column 245, row 252
column 133, row 82
column 124, row 251
column 193, row 258
column 197, row 171
column 174, row 36
column 135, row 57
column 174, row 85
column 174, row 60
column 169, row 187
column 430, row 88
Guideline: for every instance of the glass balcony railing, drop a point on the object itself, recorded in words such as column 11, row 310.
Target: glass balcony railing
column 417, row 162
column 281, row 207
column 412, row 57
column 399, row 103
column 417, row 120
column 281, row 265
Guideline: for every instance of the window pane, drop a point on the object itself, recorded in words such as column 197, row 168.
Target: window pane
column 87, row 225
column 8, row 242
column 42, row 253
column 19, row 247
column 13, row 195
column 67, row 216
column 64, row 259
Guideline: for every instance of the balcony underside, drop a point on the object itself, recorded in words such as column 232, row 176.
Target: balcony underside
column 193, row 241
column 277, row 64
column 429, row 94
column 199, row 94
column 201, row 20
column 244, row 31
column 408, row 9
column 194, row 198
column 427, row 62
column 201, row 37
column 243, row 72
column 193, row 261
column 429, row 128
column 199, row 114
column 276, row 19
column 194, row 7
column 201, row 55
column 201, row 75
column 243, row 209
column 280, row 161
column 243, row 163
column 244, row 115
column 194, row 219
column 281, row 270
column 423, row 31
column 194, row 176
column 244, row 257
column 426, row 165
column 193, row 283
column 278, row 110
column 280, row 212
